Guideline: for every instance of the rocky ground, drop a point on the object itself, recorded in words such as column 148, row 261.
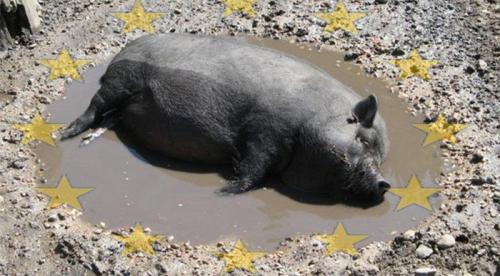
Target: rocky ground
column 460, row 238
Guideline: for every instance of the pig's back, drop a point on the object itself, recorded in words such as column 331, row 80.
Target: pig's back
column 276, row 78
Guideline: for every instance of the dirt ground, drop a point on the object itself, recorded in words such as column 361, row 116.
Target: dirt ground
column 462, row 35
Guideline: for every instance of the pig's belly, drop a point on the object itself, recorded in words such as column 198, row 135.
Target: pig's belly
column 174, row 137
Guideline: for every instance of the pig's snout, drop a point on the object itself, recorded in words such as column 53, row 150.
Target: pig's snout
column 365, row 183
column 383, row 186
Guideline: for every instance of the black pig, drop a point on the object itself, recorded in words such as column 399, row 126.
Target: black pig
column 221, row 100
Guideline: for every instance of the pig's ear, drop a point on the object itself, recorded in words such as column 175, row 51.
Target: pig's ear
column 365, row 111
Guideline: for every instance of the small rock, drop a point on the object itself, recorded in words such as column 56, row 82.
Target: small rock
column 1, row 199
column 52, row 218
column 423, row 252
column 469, row 70
column 446, row 241
column 99, row 267
column 351, row 56
column 98, row 231
column 18, row 164
column 397, row 52
column 61, row 216
column 409, row 235
column 301, row 32
column 476, row 158
column 381, row 1
column 161, row 267
column 425, row 271
column 482, row 65
column 481, row 252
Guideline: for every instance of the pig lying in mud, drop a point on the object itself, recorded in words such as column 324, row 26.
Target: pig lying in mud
column 219, row 100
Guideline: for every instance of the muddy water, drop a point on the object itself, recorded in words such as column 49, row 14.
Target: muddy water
column 172, row 198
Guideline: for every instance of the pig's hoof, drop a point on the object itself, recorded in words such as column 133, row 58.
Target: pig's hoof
column 228, row 191
column 232, row 187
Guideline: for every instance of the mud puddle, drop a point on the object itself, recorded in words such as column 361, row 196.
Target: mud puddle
column 172, row 198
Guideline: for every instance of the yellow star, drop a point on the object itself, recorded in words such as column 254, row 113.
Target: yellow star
column 414, row 194
column 37, row 130
column 340, row 19
column 245, row 6
column 440, row 130
column 63, row 66
column 64, row 194
column 240, row 258
column 138, row 241
column 340, row 241
column 137, row 18
column 414, row 65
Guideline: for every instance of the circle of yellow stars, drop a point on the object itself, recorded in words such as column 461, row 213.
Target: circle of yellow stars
column 239, row 257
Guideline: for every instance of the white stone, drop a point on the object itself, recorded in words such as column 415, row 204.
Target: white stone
column 482, row 64
column 446, row 241
column 423, row 251
column 409, row 235
column 425, row 271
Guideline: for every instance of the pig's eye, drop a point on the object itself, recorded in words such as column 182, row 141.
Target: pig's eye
column 363, row 141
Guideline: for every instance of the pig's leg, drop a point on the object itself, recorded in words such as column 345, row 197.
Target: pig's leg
column 259, row 155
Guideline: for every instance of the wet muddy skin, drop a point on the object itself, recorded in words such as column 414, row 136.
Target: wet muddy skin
column 174, row 198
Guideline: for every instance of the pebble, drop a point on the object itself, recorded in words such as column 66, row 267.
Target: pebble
column 1, row 199
column 349, row 56
column 425, row 271
column 482, row 65
column 52, row 218
column 409, row 235
column 476, row 158
column 423, row 252
column 481, row 252
column 446, row 241
column 161, row 267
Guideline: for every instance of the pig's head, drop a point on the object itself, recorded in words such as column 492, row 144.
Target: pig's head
column 364, row 146
column 340, row 155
